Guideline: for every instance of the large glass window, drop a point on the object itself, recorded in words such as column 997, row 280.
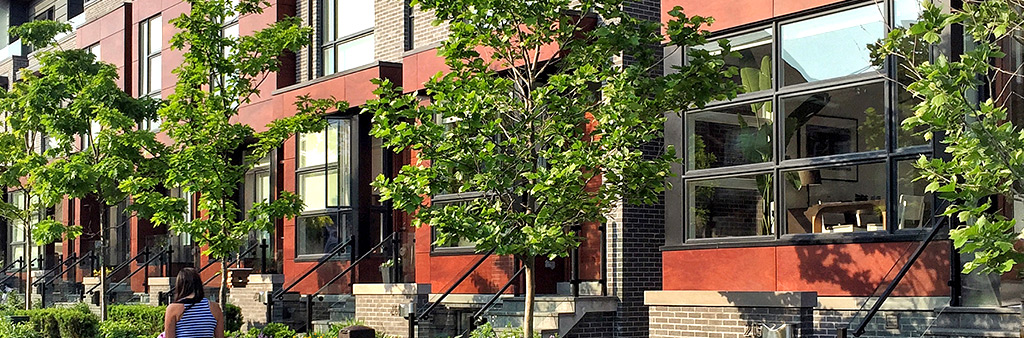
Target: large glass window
column 18, row 231
column 836, row 199
column 324, row 178
column 835, row 122
column 730, row 206
column 831, row 46
column 348, row 40
column 151, row 44
column 730, row 135
column 150, row 69
column 754, row 61
column 831, row 149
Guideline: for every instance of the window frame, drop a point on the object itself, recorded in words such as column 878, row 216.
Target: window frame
column 339, row 211
column 325, row 44
column 145, row 59
column 891, row 155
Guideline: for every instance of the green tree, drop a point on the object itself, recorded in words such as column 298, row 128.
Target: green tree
column 538, row 119
column 51, row 145
column 984, row 150
column 210, row 150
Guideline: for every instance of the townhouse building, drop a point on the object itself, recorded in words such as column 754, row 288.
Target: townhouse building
column 810, row 236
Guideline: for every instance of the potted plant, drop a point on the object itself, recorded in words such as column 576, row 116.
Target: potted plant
column 385, row 270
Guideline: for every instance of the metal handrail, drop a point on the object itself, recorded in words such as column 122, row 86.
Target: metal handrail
column 12, row 274
column 350, row 267
column 42, row 279
column 899, row 276
column 490, row 302
column 319, row 263
column 139, row 268
column 232, row 262
column 430, row 308
column 88, row 254
column 118, row 268
column 10, row 265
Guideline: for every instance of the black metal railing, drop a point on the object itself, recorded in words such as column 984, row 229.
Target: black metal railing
column 320, row 262
column 6, row 269
column 117, row 269
column 165, row 297
column 862, row 327
column 141, row 267
column 231, row 262
column 349, row 268
column 478, row 318
column 46, row 279
column 415, row 318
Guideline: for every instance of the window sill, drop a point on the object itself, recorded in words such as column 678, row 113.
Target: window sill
column 313, row 258
column 908, row 235
column 455, row 251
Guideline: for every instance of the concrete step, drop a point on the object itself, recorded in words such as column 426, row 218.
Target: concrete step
column 965, row 333
column 977, row 318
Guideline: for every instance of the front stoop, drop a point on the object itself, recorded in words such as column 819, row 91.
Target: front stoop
column 975, row 322
column 552, row 314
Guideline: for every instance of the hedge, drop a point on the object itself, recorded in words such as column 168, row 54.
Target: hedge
column 149, row 318
column 74, row 322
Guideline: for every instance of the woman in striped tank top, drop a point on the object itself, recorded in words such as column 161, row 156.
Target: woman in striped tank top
column 192, row 315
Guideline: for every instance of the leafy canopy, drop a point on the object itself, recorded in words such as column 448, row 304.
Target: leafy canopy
column 50, row 144
column 210, row 149
column 984, row 150
column 539, row 121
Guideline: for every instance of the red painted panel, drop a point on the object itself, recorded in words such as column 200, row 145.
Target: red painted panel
column 727, row 13
column 488, row 278
column 830, row 270
column 858, row 269
column 737, row 269
column 419, row 68
column 783, row 7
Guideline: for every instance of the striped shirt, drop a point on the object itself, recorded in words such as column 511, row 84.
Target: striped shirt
column 197, row 321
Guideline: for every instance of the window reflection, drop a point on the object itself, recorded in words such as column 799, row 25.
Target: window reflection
column 837, row 199
column 913, row 204
column 319, row 234
column 835, row 122
column 730, row 136
column 831, row 46
column 729, row 207
column 754, row 61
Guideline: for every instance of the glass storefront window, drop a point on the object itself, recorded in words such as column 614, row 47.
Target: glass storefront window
column 730, row 136
column 730, row 207
column 835, row 122
column 836, row 199
column 831, row 46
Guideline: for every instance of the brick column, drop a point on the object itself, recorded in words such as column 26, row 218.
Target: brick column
column 158, row 286
column 252, row 298
column 89, row 283
column 381, row 307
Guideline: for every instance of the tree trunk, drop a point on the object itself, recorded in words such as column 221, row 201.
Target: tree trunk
column 104, row 220
column 28, row 264
column 222, row 297
column 531, row 290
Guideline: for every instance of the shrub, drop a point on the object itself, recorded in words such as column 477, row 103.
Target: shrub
column 125, row 329
column 9, row 329
column 272, row 330
column 232, row 317
column 74, row 322
column 149, row 318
